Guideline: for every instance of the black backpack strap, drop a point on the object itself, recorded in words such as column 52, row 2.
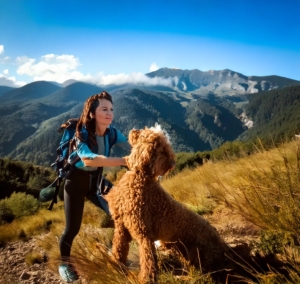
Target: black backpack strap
column 63, row 173
column 57, row 183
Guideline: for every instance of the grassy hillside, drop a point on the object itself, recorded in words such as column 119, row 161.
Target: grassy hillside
column 253, row 201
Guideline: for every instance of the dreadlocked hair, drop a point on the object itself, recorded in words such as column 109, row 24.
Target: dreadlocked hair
column 85, row 119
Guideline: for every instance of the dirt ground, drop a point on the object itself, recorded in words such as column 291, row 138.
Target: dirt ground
column 15, row 270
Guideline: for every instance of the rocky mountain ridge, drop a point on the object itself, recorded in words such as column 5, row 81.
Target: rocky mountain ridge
column 221, row 82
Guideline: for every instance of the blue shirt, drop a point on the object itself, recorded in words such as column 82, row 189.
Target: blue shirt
column 84, row 151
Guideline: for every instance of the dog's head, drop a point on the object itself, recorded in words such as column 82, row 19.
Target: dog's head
column 151, row 151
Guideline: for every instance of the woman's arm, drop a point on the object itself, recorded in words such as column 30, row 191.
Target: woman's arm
column 102, row 161
column 90, row 159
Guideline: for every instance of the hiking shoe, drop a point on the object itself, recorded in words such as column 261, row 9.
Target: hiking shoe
column 67, row 273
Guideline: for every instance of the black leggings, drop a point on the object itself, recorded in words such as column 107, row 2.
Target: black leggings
column 79, row 185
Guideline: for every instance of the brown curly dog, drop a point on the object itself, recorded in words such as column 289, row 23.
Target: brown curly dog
column 143, row 210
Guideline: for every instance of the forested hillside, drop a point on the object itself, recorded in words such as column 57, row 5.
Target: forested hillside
column 276, row 114
column 200, row 112
column 136, row 108
column 4, row 89
column 18, row 176
column 213, row 122
column 30, row 131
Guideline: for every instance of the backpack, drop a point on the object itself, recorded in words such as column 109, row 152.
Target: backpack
column 67, row 157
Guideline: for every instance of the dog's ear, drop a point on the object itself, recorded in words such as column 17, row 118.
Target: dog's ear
column 164, row 156
column 133, row 136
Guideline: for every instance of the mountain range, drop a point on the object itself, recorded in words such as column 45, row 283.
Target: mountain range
column 199, row 110
column 222, row 83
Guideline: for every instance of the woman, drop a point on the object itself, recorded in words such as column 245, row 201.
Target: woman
column 92, row 147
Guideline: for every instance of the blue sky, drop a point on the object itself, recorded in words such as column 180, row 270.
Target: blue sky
column 119, row 41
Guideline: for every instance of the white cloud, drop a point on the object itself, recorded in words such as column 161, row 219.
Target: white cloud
column 4, row 60
column 1, row 49
column 10, row 81
column 153, row 67
column 60, row 68
column 136, row 78
column 5, row 71
column 51, row 67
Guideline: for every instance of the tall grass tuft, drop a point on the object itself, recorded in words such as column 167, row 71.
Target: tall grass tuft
column 264, row 187
column 90, row 253
column 94, row 262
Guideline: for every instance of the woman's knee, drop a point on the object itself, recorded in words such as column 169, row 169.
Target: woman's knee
column 70, row 234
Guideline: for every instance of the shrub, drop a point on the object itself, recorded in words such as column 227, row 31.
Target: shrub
column 230, row 149
column 6, row 214
column 273, row 241
column 189, row 160
column 18, row 205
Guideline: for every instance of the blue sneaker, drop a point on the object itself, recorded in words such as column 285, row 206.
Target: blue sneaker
column 67, row 273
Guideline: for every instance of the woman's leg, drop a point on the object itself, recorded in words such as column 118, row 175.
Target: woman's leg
column 74, row 195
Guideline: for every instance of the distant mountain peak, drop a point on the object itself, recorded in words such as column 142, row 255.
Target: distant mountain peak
column 224, row 82
column 69, row 82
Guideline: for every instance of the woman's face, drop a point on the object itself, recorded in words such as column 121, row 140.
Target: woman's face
column 104, row 112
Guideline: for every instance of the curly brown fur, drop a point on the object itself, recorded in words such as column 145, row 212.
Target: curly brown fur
column 143, row 210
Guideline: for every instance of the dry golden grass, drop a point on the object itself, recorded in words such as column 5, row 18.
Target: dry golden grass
column 90, row 248
column 264, row 188
column 114, row 174
column 94, row 262
column 33, row 257
column 31, row 225
column 258, row 191
column 188, row 188
column 92, row 257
